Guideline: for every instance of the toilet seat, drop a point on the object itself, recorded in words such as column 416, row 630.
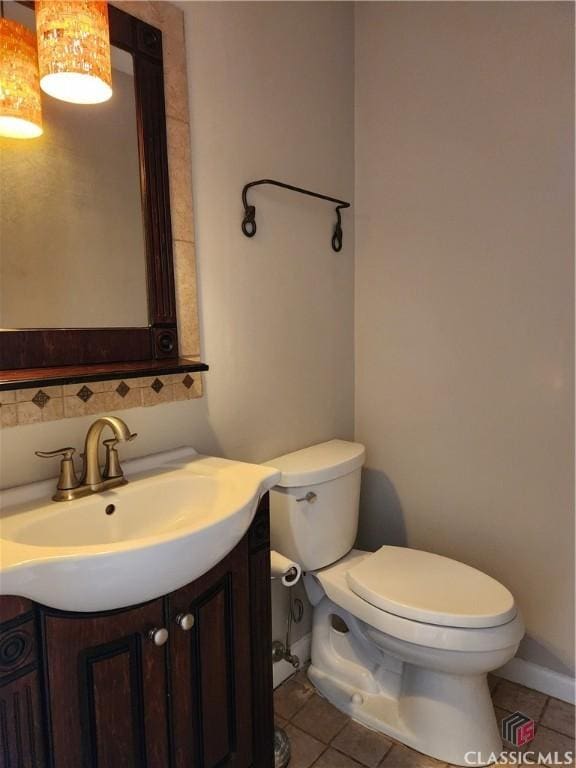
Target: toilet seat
column 430, row 588
column 333, row 581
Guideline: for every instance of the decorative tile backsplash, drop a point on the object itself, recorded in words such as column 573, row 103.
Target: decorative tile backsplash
column 30, row 406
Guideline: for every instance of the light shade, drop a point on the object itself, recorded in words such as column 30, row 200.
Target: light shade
column 74, row 50
column 20, row 108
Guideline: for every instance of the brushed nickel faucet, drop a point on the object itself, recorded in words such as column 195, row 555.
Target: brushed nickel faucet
column 93, row 478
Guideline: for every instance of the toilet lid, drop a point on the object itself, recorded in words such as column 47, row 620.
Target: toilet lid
column 431, row 589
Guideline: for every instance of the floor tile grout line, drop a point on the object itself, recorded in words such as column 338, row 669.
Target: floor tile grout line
column 312, row 692
column 385, row 755
column 544, row 708
column 557, row 732
column 326, row 748
column 346, row 724
column 300, row 709
column 546, row 703
column 341, row 752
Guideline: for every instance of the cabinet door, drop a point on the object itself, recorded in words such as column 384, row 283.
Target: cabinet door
column 21, row 720
column 106, row 687
column 210, row 667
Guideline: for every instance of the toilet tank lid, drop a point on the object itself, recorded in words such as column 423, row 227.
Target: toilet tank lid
column 318, row 463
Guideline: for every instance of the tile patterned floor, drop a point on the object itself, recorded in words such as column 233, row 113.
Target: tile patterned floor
column 322, row 737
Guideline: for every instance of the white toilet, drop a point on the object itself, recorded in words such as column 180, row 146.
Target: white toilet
column 402, row 640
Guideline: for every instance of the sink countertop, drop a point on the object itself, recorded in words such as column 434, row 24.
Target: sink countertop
column 180, row 514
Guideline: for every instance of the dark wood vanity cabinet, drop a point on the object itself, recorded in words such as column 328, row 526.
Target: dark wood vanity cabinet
column 211, row 680
column 106, row 687
column 84, row 690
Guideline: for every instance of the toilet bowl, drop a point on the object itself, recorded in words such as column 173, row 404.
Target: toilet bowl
column 402, row 640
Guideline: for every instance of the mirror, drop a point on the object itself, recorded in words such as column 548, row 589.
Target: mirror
column 115, row 278
column 72, row 230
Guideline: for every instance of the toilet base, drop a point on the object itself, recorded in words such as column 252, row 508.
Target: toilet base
column 440, row 739
column 447, row 716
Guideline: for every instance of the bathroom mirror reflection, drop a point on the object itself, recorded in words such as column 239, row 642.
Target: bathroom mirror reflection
column 72, row 242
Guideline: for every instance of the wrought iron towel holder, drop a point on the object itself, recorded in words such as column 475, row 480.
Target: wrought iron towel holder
column 249, row 220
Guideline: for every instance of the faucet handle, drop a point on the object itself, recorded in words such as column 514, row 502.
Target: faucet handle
column 67, row 479
column 67, row 453
column 112, row 466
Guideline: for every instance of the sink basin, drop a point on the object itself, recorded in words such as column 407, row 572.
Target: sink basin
column 180, row 514
column 150, row 507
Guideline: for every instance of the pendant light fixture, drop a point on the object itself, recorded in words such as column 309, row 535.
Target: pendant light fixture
column 74, row 50
column 20, row 107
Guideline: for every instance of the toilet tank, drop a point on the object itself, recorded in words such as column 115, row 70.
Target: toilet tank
column 314, row 507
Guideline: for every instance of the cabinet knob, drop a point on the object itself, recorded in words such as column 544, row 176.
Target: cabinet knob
column 158, row 636
column 185, row 621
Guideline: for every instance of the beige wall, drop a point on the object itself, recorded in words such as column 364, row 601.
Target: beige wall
column 271, row 88
column 272, row 96
column 464, row 293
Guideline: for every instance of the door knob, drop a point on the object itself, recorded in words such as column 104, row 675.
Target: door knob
column 185, row 621
column 158, row 636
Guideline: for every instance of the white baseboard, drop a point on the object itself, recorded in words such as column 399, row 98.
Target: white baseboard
column 301, row 648
column 540, row 679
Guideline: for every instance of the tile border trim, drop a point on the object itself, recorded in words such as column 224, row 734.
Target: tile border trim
column 20, row 407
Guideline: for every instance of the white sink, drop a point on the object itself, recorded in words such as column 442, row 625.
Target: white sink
column 180, row 514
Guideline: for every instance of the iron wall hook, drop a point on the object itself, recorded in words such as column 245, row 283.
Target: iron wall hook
column 249, row 220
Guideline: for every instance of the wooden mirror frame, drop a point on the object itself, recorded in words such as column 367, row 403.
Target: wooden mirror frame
column 100, row 348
